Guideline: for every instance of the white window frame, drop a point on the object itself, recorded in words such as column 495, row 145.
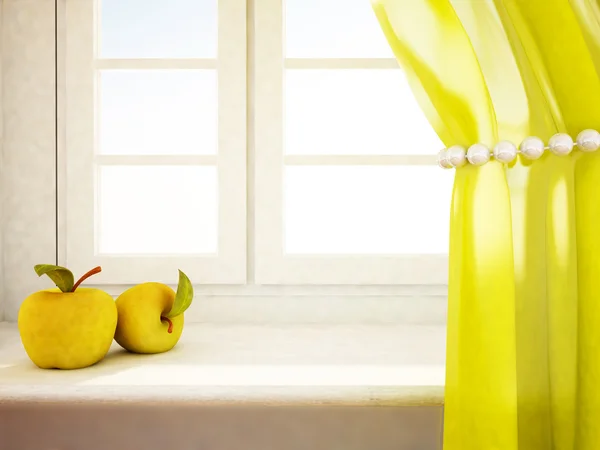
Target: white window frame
column 35, row 227
column 79, row 160
column 273, row 266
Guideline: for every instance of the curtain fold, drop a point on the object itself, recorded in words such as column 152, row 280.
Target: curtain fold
column 587, row 207
column 522, row 369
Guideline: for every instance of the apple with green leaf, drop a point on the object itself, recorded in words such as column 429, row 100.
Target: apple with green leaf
column 67, row 327
column 151, row 316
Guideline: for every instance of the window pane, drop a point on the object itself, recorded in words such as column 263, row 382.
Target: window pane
column 333, row 29
column 369, row 112
column 158, row 29
column 367, row 209
column 157, row 210
column 158, row 112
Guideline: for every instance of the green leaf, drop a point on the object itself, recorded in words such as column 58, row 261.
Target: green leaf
column 62, row 277
column 184, row 296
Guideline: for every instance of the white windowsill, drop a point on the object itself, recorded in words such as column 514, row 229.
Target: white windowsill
column 267, row 364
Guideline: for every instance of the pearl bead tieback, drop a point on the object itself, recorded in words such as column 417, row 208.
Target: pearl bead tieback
column 504, row 151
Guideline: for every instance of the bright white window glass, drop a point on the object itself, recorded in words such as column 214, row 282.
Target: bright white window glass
column 367, row 209
column 158, row 112
column 157, row 210
column 354, row 112
column 333, row 29
column 158, row 28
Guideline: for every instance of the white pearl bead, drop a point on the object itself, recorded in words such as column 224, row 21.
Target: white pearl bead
column 505, row 151
column 532, row 147
column 457, row 156
column 443, row 160
column 478, row 154
column 588, row 140
column 561, row 144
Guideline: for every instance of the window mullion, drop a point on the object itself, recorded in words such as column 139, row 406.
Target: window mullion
column 155, row 64
column 360, row 160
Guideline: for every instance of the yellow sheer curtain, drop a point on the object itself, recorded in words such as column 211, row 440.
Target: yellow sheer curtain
column 523, row 343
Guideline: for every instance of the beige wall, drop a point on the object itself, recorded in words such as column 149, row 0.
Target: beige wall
column 28, row 153
column 188, row 426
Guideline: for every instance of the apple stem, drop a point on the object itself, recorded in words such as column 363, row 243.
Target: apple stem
column 86, row 275
column 170, row 330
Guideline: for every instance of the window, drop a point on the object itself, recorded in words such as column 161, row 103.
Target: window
column 155, row 139
column 348, row 191
column 343, row 186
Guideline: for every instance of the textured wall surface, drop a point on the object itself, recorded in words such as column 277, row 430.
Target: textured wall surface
column 28, row 153
column 29, row 426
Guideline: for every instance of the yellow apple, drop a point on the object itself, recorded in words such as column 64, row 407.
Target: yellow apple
column 66, row 327
column 151, row 316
